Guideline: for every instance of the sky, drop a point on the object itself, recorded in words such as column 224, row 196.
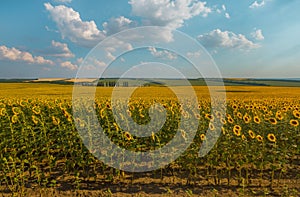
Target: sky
column 52, row 39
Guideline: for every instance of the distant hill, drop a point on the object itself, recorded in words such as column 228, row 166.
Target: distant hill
column 162, row 82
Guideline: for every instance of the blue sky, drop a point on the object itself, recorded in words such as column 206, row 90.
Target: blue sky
column 42, row 39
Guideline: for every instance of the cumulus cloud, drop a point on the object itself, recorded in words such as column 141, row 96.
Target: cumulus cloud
column 59, row 49
column 227, row 15
column 168, row 13
column 194, row 54
column 258, row 35
column 257, row 4
column 69, row 65
column 71, row 26
column 226, row 39
column 115, row 25
column 162, row 53
column 13, row 54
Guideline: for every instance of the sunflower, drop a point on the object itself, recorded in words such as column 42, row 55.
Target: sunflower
column 239, row 115
column 209, row 117
column 127, row 135
column 256, row 119
column 197, row 116
column 36, row 110
column 223, row 130
column 218, row 115
column 202, row 137
column 223, row 121
column 14, row 119
column 259, row 138
column 244, row 137
column 294, row 122
column 271, row 137
column 237, row 130
column 230, row 120
column 279, row 115
column 247, row 118
column 211, row 126
column 296, row 114
column 2, row 112
column 16, row 110
column 251, row 134
column 55, row 120
column 35, row 120
column 273, row 121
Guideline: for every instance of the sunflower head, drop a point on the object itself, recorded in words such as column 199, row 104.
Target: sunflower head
column 127, row 136
column 251, row 134
column 294, row 122
column 14, row 119
column 36, row 110
column 202, row 137
column 259, row 138
column 271, row 137
column 273, row 121
column 55, row 120
column 256, row 119
column 237, row 130
column 296, row 114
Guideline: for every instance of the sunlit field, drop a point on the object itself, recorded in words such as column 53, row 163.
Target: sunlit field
column 258, row 152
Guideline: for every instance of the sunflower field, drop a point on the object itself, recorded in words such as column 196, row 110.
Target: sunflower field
column 259, row 145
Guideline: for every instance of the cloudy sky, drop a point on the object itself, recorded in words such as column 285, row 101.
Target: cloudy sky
column 249, row 38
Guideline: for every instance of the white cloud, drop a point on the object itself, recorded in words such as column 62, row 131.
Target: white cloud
column 68, row 65
column 63, row 1
column 226, row 39
column 61, row 50
column 115, row 25
column 258, row 35
column 223, row 7
column 227, row 15
column 168, row 13
column 162, row 53
column 71, row 26
column 193, row 54
column 14, row 54
column 257, row 4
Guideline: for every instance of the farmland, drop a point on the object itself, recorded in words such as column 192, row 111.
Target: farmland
column 258, row 152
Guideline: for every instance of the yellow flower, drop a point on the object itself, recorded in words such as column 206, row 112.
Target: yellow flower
column 273, row 121
column 127, row 136
column 36, row 110
column 294, row 122
column 256, row 119
column 2, row 112
column 14, row 119
column 237, row 130
column 247, row 118
column 239, row 115
column 259, row 138
column 271, row 137
column 278, row 115
column 209, row 117
column 211, row 126
column 296, row 114
column 230, row 120
column 244, row 137
column 35, row 120
column 16, row 110
column 202, row 137
column 251, row 134
column 55, row 120
column 223, row 121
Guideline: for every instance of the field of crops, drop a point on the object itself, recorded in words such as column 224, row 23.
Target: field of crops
column 258, row 152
